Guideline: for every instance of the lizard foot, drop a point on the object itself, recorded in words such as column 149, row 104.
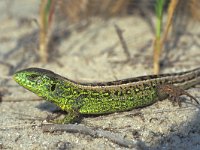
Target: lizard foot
column 69, row 118
column 174, row 93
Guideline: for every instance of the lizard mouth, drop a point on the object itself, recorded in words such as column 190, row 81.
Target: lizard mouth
column 21, row 79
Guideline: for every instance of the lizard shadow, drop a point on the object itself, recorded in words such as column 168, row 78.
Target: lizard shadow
column 181, row 136
column 49, row 107
column 52, row 108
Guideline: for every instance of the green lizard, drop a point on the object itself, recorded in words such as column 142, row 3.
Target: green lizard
column 105, row 97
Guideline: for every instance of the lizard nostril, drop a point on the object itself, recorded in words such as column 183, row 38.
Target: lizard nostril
column 15, row 77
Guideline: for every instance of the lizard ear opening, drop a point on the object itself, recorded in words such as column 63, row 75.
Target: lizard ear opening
column 53, row 87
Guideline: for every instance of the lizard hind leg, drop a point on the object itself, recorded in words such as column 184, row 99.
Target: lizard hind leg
column 175, row 100
column 174, row 93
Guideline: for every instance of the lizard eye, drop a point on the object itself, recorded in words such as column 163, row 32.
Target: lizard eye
column 33, row 77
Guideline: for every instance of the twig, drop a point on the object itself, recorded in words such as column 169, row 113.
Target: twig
column 17, row 126
column 21, row 99
column 172, row 7
column 123, row 42
column 76, row 128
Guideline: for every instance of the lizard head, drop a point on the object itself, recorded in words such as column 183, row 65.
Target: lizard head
column 36, row 80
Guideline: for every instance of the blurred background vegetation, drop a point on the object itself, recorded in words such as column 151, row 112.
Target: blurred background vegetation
column 56, row 19
column 80, row 12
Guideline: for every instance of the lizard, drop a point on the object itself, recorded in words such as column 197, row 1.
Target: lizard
column 78, row 98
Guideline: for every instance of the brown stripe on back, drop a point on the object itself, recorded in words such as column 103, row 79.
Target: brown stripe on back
column 148, row 77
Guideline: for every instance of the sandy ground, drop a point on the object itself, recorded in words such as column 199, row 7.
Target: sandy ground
column 93, row 54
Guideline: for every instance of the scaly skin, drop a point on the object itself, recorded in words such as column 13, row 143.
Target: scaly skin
column 101, row 98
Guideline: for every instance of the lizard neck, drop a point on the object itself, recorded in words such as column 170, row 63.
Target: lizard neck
column 64, row 94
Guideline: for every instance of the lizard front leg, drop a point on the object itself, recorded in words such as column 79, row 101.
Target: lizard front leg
column 71, row 117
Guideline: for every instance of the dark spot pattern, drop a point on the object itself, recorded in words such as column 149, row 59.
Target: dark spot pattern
column 53, row 87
